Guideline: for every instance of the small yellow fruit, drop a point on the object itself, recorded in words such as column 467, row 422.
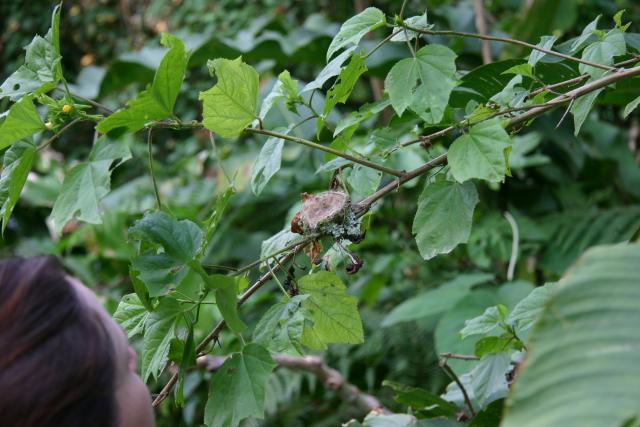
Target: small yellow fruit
column 66, row 108
column 48, row 125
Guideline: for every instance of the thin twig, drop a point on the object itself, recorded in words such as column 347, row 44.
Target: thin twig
column 508, row 40
column 447, row 369
column 458, row 356
column 565, row 113
column 153, row 175
column 329, row 150
column 57, row 134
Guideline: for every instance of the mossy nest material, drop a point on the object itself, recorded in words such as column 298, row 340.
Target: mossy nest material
column 327, row 213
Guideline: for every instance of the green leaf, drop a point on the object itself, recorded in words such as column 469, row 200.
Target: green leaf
column 494, row 344
column 230, row 106
column 584, row 347
column 285, row 86
column 169, row 75
column 417, row 399
column 521, row 69
column 630, row 107
column 444, row 216
column 356, row 117
column 527, row 311
column 87, row 183
column 581, row 108
column 237, row 389
column 22, row 121
column 424, row 83
column 363, row 181
column 333, row 313
column 41, row 70
column 214, row 219
column 419, row 22
column 485, row 383
column 488, row 321
column 546, row 42
column 155, row 103
column 344, row 84
column 131, row 315
column 280, row 329
column 587, row 32
column 159, row 272
column 15, row 169
column 332, row 69
column 434, row 301
column 226, row 288
column 180, row 239
column 480, row 153
column 267, row 164
column 352, row 31
column 159, row 331
column 602, row 52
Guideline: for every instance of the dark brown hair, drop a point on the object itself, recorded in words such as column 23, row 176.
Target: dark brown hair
column 56, row 357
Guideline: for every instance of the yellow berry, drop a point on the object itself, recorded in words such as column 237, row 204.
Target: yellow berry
column 66, row 108
column 48, row 125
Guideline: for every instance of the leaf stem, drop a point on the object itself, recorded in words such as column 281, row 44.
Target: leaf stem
column 57, row 134
column 329, row 150
column 153, row 175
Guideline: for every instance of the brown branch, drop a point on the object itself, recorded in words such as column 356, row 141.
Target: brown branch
column 331, row 378
column 508, row 40
column 458, row 356
column 481, row 26
column 365, row 204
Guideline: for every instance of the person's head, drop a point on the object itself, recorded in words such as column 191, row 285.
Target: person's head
column 63, row 360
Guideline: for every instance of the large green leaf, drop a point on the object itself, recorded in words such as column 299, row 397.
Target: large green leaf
column 487, row 322
column 22, row 121
column 41, row 70
column 267, row 164
column 332, row 69
column 180, row 239
column 87, row 183
column 344, row 84
column 237, row 389
column 480, row 153
column 485, row 383
column 424, row 83
column 159, row 330
column 444, row 216
column 131, row 315
column 435, row 301
column 230, row 105
column 582, row 364
column 155, row 103
column 352, row 31
column 333, row 314
column 527, row 311
column 15, row 169
column 226, row 289
column 280, row 329
column 602, row 52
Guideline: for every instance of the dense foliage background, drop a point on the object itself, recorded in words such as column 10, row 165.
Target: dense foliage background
column 565, row 194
